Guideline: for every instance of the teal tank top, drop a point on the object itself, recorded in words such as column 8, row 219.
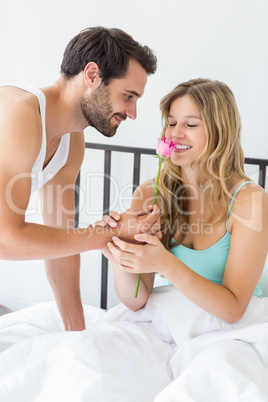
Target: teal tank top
column 210, row 263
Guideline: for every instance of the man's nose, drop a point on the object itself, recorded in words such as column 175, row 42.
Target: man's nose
column 131, row 111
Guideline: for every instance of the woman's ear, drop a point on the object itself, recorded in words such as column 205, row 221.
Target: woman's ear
column 91, row 73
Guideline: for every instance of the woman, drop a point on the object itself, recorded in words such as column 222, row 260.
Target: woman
column 214, row 220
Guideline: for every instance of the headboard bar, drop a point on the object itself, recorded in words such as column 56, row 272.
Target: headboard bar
column 137, row 152
column 106, row 205
column 76, row 200
column 262, row 163
column 136, row 170
column 120, row 148
column 106, row 183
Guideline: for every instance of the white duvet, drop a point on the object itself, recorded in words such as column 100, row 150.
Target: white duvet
column 168, row 351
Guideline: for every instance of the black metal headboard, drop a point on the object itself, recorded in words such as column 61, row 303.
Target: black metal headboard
column 137, row 152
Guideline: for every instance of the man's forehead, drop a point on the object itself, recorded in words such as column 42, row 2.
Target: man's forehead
column 135, row 79
column 133, row 82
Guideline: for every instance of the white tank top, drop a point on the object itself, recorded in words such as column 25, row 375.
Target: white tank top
column 39, row 175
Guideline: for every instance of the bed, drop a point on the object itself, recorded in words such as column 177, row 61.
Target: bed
column 168, row 351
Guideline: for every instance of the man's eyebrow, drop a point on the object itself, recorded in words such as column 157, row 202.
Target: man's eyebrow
column 133, row 93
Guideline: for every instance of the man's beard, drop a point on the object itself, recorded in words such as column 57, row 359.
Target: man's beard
column 98, row 111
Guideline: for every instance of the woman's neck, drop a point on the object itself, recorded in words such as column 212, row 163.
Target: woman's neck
column 190, row 178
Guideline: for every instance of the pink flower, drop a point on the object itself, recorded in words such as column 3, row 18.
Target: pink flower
column 165, row 147
column 164, row 150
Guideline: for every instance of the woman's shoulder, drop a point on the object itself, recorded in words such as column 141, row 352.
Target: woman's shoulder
column 250, row 205
column 245, row 190
column 144, row 194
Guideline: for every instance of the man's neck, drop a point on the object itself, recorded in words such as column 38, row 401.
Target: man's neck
column 63, row 113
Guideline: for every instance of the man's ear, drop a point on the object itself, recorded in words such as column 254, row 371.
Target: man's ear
column 91, row 73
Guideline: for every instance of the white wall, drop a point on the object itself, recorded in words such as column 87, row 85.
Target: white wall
column 224, row 40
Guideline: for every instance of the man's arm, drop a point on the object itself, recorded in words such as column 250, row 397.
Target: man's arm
column 20, row 142
column 58, row 210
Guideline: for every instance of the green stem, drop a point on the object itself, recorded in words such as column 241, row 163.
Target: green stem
column 138, row 284
column 157, row 180
column 155, row 197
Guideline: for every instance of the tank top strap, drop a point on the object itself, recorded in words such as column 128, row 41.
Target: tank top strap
column 38, row 93
column 232, row 200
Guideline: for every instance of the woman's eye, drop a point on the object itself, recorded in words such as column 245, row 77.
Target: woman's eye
column 191, row 125
column 172, row 124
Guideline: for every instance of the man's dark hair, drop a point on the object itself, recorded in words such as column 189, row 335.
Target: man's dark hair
column 111, row 49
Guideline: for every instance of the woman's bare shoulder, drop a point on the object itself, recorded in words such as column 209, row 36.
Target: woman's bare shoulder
column 143, row 195
column 250, row 207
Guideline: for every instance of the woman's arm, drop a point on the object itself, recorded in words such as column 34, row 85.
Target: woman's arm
column 125, row 283
column 248, row 252
column 248, row 224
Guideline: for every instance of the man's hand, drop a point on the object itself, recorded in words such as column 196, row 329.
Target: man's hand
column 134, row 221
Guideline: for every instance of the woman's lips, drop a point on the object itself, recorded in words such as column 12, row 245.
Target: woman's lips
column 182, row 148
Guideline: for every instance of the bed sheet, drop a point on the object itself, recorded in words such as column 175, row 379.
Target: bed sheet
column 170, row 350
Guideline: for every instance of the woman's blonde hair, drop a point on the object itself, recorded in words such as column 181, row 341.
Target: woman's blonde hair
column 222, row 156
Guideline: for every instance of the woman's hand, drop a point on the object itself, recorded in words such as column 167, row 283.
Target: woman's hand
column 137, row 258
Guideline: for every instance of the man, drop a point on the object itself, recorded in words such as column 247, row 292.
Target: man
column 103, row 74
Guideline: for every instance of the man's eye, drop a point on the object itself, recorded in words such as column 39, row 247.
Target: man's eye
column 128, row 97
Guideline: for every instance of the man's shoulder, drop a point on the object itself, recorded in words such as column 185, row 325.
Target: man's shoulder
column 16, row 101
column 20, row 121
